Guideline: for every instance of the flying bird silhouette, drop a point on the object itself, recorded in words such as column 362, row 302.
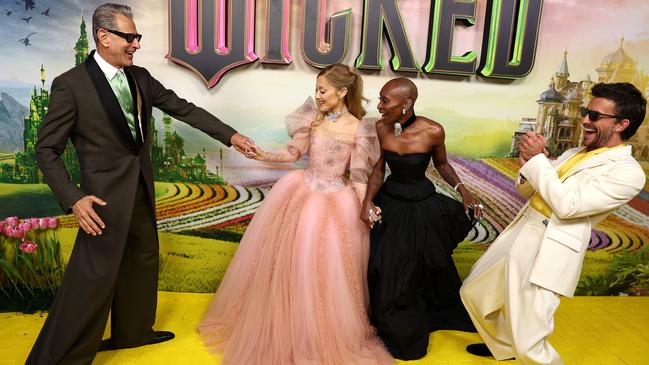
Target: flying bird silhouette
column 46, row 12
column 25, row 41
column 27, row 19
column 29, row 4
column 8, row 12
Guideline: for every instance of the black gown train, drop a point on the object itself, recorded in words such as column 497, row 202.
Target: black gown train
column 414, row 285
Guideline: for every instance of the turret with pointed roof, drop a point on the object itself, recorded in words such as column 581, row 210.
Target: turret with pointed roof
column 562, row 74
column 81, row 48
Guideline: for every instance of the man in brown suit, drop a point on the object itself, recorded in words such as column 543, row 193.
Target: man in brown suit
column 104, row 106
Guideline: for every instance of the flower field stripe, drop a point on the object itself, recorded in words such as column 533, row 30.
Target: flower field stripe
column 247, row 201
column 624, row 235
column 232, row 222
column 187, row 206
column 492, row 176
column 228, row 195
column 498, row 211
column 207, row 196
column 184, row 191
column 211, row 219
column 170, row 193
column 616, row 237
column 67, row 221
column 598, row 240
column 220, row 194
column 508, row 167
column 478, row 234
column 633, row 235
column 628, row 213
column 640, row 204
column 489, row 183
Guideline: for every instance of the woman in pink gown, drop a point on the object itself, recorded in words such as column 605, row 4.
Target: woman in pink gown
column 296, row 290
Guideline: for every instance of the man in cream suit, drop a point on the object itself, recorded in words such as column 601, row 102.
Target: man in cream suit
column 514, row 289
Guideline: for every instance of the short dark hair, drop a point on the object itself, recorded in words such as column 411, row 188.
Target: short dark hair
column 629, row 104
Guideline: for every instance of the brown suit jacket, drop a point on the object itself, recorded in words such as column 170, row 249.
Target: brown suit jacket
column 84, row 109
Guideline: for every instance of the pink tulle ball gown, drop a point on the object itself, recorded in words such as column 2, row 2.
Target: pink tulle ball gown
column 296, row 290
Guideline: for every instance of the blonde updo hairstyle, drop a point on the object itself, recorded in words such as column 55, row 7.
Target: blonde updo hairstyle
column 342, row 76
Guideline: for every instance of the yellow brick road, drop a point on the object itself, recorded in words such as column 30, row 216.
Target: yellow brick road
column 588, row 331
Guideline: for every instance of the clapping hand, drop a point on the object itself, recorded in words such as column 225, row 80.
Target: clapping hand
column 530, row 145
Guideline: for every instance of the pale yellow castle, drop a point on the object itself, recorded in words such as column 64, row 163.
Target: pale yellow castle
column 557, row 116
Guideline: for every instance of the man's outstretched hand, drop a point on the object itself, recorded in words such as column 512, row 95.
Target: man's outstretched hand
column 243, row 144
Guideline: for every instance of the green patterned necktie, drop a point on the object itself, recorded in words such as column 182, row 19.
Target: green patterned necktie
column 119, row 84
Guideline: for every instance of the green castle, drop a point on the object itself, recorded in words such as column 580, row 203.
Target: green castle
column 170, row 162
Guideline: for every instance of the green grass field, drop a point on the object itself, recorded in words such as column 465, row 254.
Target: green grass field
column 187, row 264
column 27, row 200
column 193, row 264
column 37, row 200
column 467, row 253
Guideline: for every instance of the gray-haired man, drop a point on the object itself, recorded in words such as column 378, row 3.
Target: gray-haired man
column 104, row 106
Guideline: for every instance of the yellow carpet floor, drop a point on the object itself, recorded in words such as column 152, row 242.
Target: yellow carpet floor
column 588, row 331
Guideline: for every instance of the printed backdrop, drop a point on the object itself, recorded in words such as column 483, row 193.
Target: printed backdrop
column 206, row 194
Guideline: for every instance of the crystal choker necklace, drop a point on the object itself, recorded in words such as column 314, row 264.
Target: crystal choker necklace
column 398, row 127
column 333, row 116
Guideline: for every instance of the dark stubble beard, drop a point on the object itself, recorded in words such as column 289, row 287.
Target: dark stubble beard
column 601, row 139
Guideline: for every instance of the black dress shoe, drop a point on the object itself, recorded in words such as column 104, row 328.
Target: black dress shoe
column 161, row 336
column 158, row 336
column 480, row 349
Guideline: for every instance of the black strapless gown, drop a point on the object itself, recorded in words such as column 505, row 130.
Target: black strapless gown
column 414, row 285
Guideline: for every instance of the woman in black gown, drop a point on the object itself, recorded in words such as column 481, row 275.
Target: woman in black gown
column 414, row 285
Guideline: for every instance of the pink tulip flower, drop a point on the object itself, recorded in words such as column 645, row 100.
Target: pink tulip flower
column 52, row 222
column 25, row 227
column 34, row 223
column 13, row 221
column 42, row 223
column 28, row 246
column 18, row 232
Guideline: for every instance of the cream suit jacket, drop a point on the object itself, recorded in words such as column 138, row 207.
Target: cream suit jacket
column 585, row 196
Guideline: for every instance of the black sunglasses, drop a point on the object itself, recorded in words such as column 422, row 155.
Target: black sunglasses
column 594, row 115
column 129, row 37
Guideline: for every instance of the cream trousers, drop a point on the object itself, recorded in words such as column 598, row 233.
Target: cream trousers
column 513, row 316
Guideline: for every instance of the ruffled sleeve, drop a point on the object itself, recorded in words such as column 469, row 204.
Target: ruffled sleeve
column 366, row 151
column 298, row 124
